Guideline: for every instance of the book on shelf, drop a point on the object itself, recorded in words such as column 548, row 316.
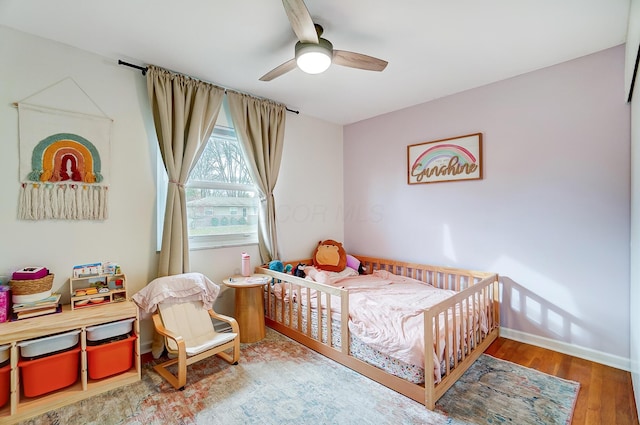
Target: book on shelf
column 37, row 312
column 51, row 301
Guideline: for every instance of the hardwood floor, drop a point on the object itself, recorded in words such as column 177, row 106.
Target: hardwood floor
column 606, row 393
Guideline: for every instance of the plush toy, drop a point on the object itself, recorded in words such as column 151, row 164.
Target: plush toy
column 355, row 264
column 288, row 268
column 276, row 265
column 330, row 256
column 299, row 270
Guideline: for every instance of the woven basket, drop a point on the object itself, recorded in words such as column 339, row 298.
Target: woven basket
column 31, row 286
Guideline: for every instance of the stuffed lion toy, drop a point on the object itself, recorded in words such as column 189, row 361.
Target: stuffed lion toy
column 330, row 256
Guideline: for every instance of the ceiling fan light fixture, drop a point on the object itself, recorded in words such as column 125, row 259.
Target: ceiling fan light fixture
column 314, row 54
column 314, row 58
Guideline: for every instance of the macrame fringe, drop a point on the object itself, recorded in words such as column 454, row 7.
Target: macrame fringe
column 48, row 201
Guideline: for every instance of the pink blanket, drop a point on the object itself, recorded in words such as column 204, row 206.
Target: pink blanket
column 388, row 317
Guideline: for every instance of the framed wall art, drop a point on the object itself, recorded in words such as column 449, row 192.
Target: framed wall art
column 457, row 158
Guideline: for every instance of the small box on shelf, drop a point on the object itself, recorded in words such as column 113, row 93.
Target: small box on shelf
column 97, row 290
column 87, row 270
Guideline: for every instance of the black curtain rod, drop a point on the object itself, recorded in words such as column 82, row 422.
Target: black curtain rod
column 143, row 69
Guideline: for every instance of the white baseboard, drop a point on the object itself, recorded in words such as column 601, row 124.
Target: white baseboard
column 145, row 347
column 566, row 348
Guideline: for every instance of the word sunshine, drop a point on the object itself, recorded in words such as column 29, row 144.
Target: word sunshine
column 453, row 168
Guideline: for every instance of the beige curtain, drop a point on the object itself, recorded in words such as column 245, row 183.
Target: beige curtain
column 184, row 112
column 260, row 125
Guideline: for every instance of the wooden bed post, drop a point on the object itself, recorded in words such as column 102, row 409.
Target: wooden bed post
column 344, row 327
column 429, row 379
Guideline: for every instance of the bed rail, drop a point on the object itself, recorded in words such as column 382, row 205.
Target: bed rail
column 461, row 340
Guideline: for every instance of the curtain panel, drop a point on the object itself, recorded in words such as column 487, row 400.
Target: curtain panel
column 260, row 126
column 185, row 111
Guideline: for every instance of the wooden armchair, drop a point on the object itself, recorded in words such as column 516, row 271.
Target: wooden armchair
column 189, row 334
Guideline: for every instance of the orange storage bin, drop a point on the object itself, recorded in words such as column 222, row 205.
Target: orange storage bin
column 49, row 373
column 110, row 358
column 5, row 384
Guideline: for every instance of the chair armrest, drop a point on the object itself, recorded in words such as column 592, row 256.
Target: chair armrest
column 230, row 320
column 157, row 323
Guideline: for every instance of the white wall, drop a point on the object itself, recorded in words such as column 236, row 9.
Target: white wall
column 635, row 244
column 29, row 64
column 633, row 41
column 309, row 194
column 551, row 215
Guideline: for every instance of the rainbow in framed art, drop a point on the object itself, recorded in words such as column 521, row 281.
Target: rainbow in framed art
column 458, row 158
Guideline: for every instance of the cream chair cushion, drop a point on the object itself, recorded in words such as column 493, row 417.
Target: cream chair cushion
column 198, row 332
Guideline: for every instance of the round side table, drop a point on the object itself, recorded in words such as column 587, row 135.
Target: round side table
column 249, row 305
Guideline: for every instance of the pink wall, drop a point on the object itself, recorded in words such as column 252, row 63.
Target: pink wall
column 551, row 215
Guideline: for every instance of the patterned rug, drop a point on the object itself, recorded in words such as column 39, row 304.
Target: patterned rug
column 279, row 381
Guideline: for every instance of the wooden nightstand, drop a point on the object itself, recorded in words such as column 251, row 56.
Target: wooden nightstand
column 249, row 305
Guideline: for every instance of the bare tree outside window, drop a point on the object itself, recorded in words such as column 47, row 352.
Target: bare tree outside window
column 219, row 186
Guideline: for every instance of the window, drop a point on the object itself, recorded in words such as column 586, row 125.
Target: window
column 218, row 188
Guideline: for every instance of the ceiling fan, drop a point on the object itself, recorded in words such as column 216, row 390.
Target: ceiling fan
column 314, row 54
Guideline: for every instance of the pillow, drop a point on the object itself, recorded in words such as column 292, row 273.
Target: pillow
column 312, row 273
column 328, row 278
column 329, row 255
column 353, row 262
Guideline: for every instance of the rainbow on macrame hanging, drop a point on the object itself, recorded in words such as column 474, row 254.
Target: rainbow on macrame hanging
column 65, row 157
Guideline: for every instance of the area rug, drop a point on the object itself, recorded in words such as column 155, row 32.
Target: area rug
column 279, row 381
column 501, row 392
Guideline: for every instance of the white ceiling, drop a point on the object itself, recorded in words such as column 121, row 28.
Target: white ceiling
column 434, row 47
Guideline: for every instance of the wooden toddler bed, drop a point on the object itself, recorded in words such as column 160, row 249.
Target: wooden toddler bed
column 462, row 319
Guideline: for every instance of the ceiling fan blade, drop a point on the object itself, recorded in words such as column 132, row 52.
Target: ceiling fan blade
column 358, row 60
column 279, row 70
column 301, row 21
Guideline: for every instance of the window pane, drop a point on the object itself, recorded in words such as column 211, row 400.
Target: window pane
column 215, row 212
column 222, row 205
column 222, row 160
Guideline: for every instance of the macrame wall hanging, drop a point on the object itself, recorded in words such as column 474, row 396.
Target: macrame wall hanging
column 64, row 157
